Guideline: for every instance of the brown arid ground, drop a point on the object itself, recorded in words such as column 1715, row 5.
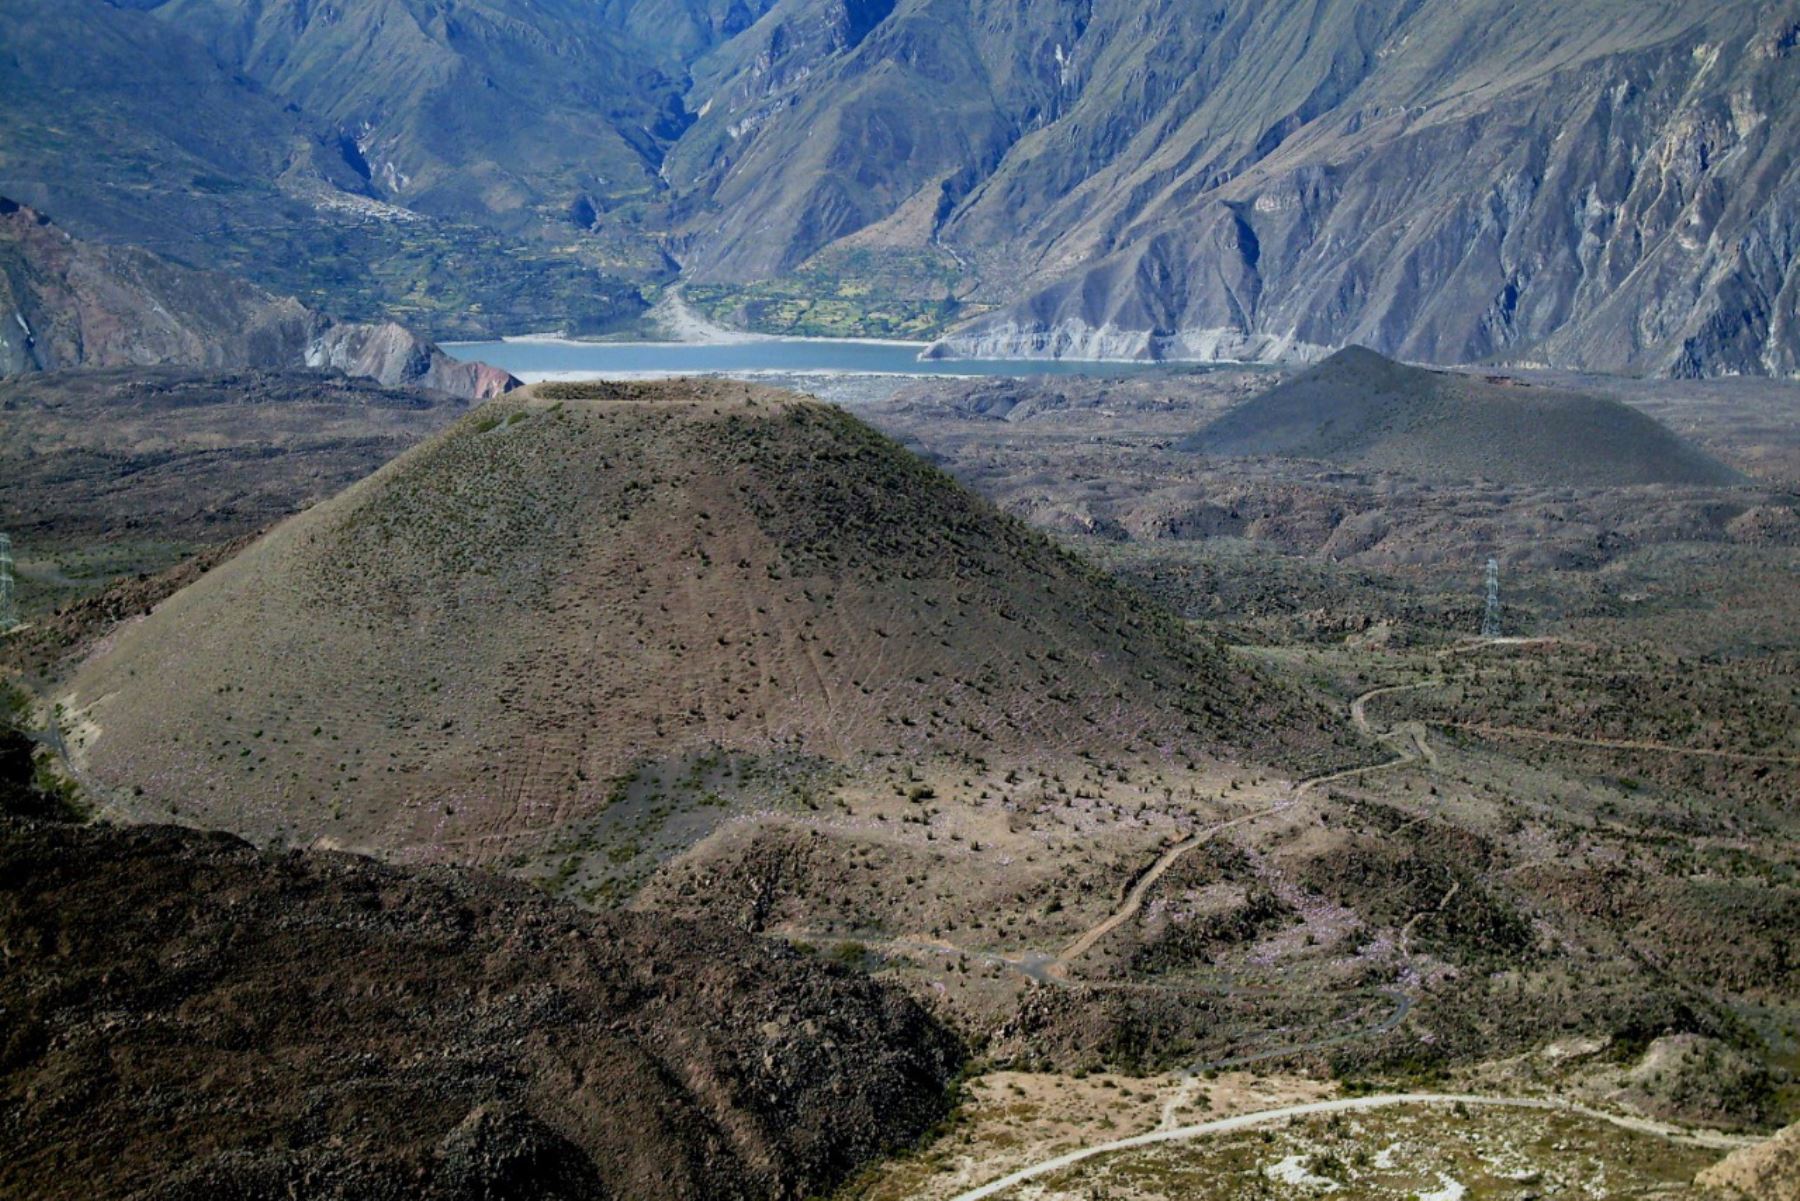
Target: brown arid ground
column 1768, row 1170
column 1294, row 550
column 1411, row 1148
column 1562, row 870
column 1579, row 870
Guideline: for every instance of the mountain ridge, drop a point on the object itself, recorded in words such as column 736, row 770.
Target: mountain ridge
column 1480, row 181
column 1433, row 222
column 65, row 303
column 434, row 1033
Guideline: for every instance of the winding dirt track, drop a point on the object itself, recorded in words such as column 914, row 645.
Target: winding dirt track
column 1413, row 749
column 1359, row 708
column 1245, row 1121
column 1134, row 898
column 1046, row 969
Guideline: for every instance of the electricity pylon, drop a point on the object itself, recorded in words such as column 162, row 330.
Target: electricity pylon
column 1490, row 622
column 9, row 605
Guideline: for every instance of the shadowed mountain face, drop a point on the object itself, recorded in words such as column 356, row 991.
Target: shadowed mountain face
column 1579, row 184
column 482, row 108
column 1362, row 410
column 65, row 303
column 469, row 651
column 190, row 1018
column 446, row 140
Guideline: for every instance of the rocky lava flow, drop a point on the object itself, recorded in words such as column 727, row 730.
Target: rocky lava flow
column 186, row 1016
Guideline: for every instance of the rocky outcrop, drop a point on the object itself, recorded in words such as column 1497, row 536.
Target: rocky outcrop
column 393, row 355
column 850, row 110
column 1074, row 338
column 68, row 303
column 1769, row 1171
column 751, row 78
column 1630, row 211
column 187, row 1017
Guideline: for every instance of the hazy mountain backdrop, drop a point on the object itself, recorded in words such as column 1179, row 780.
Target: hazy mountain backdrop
column 1584, row 183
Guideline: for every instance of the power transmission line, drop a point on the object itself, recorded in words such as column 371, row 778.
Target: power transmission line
column 9, row 604
column 1490, row 621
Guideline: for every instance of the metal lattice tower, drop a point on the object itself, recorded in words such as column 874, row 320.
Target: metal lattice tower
column 9, row 605
column 1490, row 622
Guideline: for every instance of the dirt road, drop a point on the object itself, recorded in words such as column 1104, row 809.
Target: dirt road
column 1245, row 1121
column 1411, row 750
column 1134, row 899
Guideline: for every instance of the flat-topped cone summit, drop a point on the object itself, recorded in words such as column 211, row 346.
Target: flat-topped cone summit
column 468, row 649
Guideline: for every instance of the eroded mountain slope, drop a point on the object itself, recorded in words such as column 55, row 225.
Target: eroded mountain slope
column 1441, row 182
column 67, row 303
column 1578, row 184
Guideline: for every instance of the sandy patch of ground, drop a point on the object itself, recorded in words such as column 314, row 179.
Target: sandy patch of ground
column 1013, row 1119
